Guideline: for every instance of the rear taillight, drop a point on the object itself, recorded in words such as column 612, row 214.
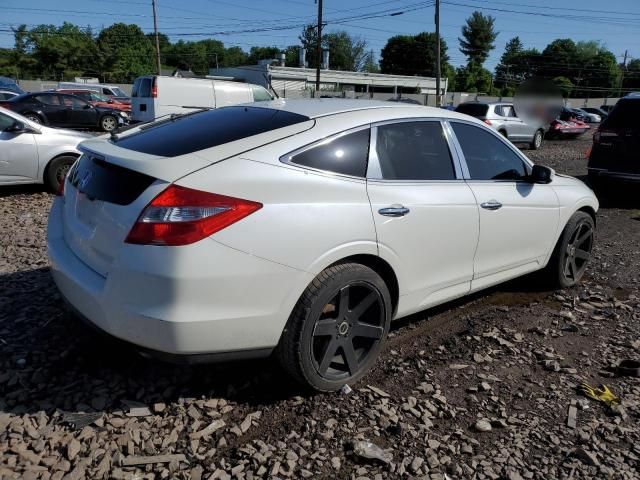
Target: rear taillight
column 154, row 89
column 603, row 135
column 180, row 216
column 488, row 122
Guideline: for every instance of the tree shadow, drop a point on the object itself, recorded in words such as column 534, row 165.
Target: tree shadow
column 11, row 190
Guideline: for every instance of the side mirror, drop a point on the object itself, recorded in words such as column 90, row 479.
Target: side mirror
column 17, row 127
column 541, row 174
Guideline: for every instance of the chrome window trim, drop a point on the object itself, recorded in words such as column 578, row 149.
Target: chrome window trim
column 286, row 158
column 374, row 171
column 527, row 163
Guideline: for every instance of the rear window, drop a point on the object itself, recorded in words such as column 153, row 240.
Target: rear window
column 142, row 87
column 473, row 109
column 624, row 115
column 202, row 130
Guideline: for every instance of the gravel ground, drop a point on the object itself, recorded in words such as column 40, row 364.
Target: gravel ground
column 485, row 387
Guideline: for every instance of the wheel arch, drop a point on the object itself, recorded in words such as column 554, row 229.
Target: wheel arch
column 382, row 268
column 45, row 170
column 590, row 210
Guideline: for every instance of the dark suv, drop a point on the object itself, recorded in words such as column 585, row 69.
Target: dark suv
column 615, row 154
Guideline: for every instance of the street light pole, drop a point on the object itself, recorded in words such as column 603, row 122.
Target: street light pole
column 155, row 29
column 319, row 46
column 438, row 71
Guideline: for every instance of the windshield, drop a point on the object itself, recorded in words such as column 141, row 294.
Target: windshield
column 119, row 92
column 99, row 98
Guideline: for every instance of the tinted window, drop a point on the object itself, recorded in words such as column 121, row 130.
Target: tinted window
column 5, row 121
column 414, row 151
column 488, row 157
column 190, row 133
column 142, row 87
column 73, row 102
column 48, row 99
column 507, row 111
column 625, row 114
column 473, row 109
column 346, row 155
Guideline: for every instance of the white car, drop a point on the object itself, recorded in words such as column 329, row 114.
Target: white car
column 304, row 227
column 33, row 153
column 589, row 117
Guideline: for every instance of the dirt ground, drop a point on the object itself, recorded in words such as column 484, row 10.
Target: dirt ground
column 480, row 388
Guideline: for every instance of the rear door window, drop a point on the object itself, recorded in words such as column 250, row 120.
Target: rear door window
column 48, row 99
column 260, row 94
column 344, row 154
column 202, row 130
column 142, row 87
column 414, row 151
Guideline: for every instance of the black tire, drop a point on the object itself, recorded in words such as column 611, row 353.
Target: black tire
column 34, row 117
column 327, row 342
column 57, row 170
column 108, row 123
column 536, row 143
column 572, row 252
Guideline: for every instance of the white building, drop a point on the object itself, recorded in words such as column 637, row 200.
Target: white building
column 298, row 79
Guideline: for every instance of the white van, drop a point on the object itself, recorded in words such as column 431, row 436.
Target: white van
column 112, row 91
column 154, row 96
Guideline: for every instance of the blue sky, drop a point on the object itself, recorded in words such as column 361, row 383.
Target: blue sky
column 616, row 23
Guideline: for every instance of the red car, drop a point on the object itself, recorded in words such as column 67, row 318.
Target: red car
column 567, row 129
column 98, row 100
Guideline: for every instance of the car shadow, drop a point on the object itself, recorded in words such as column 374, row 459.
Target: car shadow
column 11, row 190
column 51, row 361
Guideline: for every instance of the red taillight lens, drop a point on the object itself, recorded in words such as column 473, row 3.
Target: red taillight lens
column 154, row 89
column 60, row 191
column 180, row 216
column 488, row 122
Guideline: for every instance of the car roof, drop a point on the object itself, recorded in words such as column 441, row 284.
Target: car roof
column 322, row 107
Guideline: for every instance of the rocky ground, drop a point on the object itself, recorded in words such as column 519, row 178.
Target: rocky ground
column 483, row 388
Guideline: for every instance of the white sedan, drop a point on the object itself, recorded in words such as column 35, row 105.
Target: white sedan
column 32, row 153
column 304, row 228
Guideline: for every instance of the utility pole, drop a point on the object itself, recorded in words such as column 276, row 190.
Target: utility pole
column 624, row 67
column 438, row 67
column 319, row 46
column 155, row 29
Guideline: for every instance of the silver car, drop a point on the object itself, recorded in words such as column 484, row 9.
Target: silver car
column 32, row 153
column 502, row 116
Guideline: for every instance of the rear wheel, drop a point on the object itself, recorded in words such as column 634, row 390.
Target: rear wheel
column 337, row 327
column 108, row 123
column 573, row 251
column 536, row 143
column 57, row 171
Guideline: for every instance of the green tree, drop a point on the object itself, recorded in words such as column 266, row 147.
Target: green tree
column 126, row 51
column 512, row 50
column 345, row 51
column 474, row 78
column 632, row 75
column 370, row 64
column 233, row 57
column 477, row 39
column 564, row 85
column 262, row 53
column 414, row 55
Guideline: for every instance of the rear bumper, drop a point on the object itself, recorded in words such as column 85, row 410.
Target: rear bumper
column 196, row 300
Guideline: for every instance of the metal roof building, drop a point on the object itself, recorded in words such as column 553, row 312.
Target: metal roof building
column 298, row 78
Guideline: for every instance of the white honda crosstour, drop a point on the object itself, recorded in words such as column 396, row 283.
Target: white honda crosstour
column 303, row 228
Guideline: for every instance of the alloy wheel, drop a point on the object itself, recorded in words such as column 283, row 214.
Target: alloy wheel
column 109, row 123
column 347, row 331
column 578, row 251
column 538, row 139
column 61, row 172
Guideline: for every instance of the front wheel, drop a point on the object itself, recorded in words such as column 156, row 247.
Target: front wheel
column 35, row 118
column 573, row 251
column 108, row 123
column 337, row 328
column 536, row 143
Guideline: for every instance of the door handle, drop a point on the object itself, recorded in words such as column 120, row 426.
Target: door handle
column 394, row 211
column 491, row 205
